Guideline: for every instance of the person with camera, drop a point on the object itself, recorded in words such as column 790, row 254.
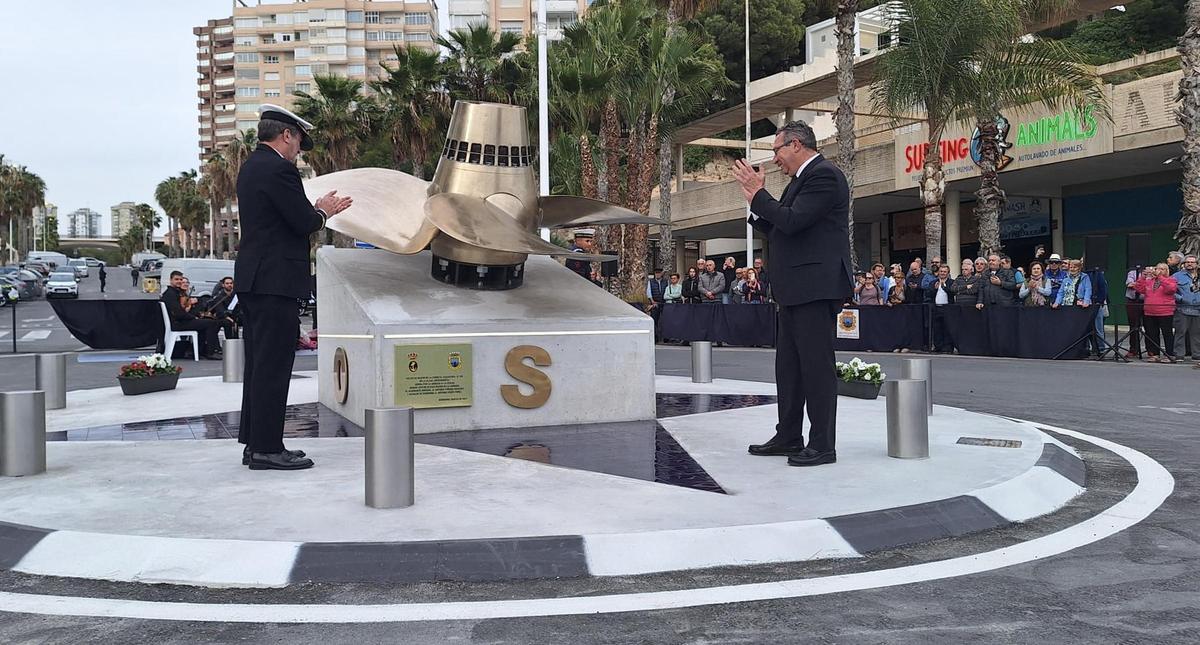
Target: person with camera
column 1159, row 288
column 1187, row 309
column 1135, row 306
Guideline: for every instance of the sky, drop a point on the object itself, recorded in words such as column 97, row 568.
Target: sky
column 99, row 99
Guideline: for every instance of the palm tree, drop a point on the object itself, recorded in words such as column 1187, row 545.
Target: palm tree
column 964, row 61
column 340, row 115
column 21, row 191
column 845, row 23
column 236, row 151
column 414, row 106
column 1188, row 115
column 166, row 194
column 216, row 186
column 580, row 76
column 147, row 220
column 480, row 63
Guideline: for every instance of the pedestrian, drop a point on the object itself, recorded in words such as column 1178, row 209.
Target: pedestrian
column 1035, row 292
column 940, row 294
column 729, row 272
column 133, row 271
column 271, row 273
column 712, row 284
column 806, row 227
column 1159, row 288
column 584, row 243
column 1076, row 288
column 1187, row 310
column 674, row 292
column 998, row 286
column 691, row 287
column 966, row 285
column 1055, row 273
column 1134, row 310
column 103, row 278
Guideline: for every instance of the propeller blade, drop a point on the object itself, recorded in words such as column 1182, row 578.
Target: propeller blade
column 477, row 222
column 568, row 211
column 387, row 210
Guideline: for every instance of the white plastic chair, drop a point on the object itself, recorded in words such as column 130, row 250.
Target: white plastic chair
column 170, row 336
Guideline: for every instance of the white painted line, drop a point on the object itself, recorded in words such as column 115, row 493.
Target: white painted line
column 37, row 334
column 1033, row 493
column 1154, row 485
column 347, row 336
column 493, row 334
column 3, row 333
column 137, row 558
column 29, row 320
column 622, row 554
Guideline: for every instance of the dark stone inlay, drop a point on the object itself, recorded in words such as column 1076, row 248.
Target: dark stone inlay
column 1064, row 463
column 676, row 405
column 448, row 560
column 989, row 443
column 16, row 540
column 895, row 527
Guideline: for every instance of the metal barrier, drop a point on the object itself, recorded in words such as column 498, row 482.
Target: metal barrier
column 22, row 433
column 701, row 361
column 389, row 457
column 51, row 377
column 907, row 419
column 920, row 369
column 234, row 361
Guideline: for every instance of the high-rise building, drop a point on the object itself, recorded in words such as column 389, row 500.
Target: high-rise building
column 279, row 48
column 516, row 16
column 83, row 223
column 214, row 60
column 123, row 218
column 40, row 215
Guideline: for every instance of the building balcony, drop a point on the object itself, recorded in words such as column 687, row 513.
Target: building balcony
column 557, row 6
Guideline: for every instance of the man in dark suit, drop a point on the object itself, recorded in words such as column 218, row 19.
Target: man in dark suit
column 810, row 279
column 183, row 320
column 271, row 274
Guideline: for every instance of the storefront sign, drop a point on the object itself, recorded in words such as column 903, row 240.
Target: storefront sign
column 1031, row 136
column 433, row 376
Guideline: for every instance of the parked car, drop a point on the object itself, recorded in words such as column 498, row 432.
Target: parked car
column 26, row 289
column 62, row 285
column 80, row 266
column 41, row 267
column 92, row 262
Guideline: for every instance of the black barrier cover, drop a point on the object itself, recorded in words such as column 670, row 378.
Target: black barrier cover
column 745, row 324
column 112, row 324
column 882, row 329
column 1019, row 332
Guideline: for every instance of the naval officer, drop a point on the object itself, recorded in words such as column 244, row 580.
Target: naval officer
column 271, row 274
column 584, row 242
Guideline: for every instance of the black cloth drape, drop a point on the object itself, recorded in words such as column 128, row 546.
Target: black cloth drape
column 1018, row 332
column 743, row 324
column 112, row 324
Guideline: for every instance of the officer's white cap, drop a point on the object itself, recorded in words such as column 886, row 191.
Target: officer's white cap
column 585, row 232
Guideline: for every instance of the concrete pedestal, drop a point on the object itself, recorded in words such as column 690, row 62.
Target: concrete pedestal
column 600, row 349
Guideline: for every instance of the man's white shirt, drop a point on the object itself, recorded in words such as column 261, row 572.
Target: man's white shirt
column 802, row 167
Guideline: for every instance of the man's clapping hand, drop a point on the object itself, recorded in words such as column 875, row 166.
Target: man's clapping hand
column 751, row 180
column 332, row 204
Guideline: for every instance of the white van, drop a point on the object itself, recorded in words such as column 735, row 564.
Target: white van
column 202, row 273
column 141, row 256
column 47, row 257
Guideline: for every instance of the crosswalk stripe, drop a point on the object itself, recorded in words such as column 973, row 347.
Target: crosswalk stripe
column 37, row 334
column 3, row 333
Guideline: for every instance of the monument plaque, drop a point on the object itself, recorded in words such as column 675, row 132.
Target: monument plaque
column 433, row 376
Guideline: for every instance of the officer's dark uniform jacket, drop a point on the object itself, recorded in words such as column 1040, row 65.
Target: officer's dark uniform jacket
column 579, row 266
column 276, row 222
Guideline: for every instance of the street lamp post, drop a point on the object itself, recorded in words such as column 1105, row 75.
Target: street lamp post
column 543, row 110
column 749, row 229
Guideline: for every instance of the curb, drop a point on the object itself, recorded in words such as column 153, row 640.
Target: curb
column 1056, row 478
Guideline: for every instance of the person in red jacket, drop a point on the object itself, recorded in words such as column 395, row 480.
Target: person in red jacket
column 1159, row 287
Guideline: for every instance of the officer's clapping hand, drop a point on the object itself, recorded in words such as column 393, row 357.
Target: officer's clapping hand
column 332, row 204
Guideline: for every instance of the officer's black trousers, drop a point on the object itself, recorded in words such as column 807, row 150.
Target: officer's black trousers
column 272, row 325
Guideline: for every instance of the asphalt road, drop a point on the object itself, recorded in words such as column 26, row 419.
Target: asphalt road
column 1139, row 586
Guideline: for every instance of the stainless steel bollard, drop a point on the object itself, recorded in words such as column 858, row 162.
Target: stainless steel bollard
column 51, row 378
column 701, row 361
column 920, row 369
column 389, row 457
column 907, row 421
column 22, row 433
column 234, row 361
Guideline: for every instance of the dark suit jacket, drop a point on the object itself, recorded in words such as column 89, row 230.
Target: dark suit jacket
column 276, row 221
column 170, row 297
column 808, row 235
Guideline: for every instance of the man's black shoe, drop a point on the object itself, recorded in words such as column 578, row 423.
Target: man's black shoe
column 278, row 461
column 775, row 447
column 810, row 457
column 246, row 454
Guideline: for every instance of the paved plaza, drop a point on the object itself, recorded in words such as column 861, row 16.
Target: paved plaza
column 146, row 528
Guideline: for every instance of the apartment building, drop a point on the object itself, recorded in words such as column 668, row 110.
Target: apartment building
column 40, row 216
column 214, row 64
column 83, row 223
column 122, row 218
column 279, row 47
column 516, row 16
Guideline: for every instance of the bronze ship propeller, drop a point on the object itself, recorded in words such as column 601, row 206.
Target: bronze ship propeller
column 480, row 214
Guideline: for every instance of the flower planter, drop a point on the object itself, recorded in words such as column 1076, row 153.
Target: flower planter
column 145, row 385
column 859, row 389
